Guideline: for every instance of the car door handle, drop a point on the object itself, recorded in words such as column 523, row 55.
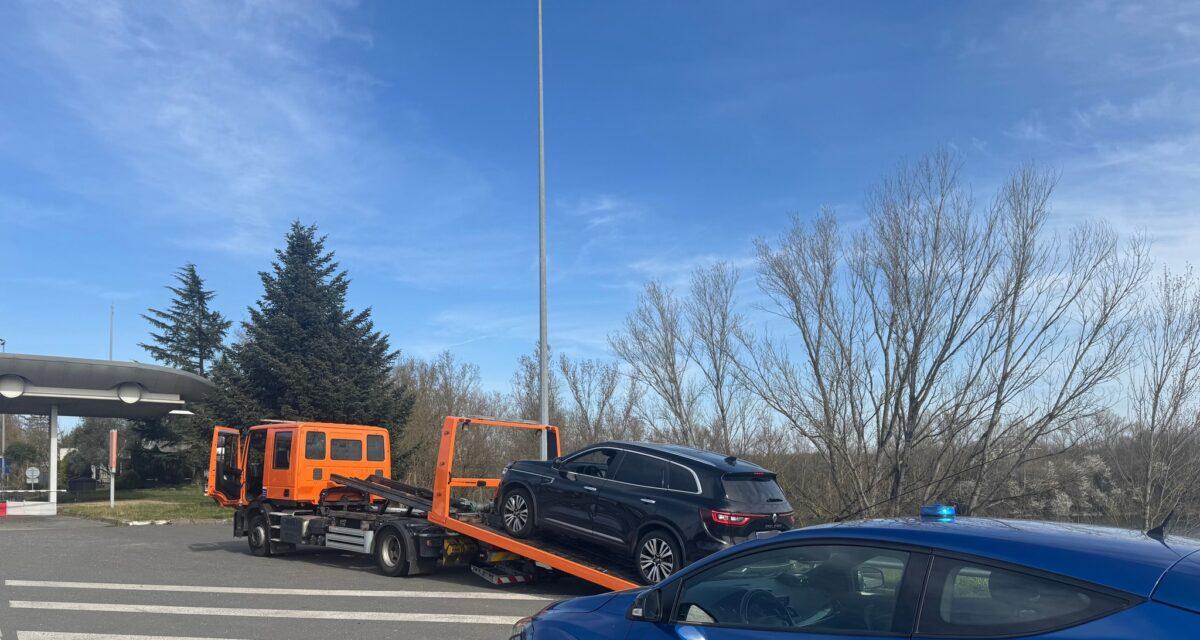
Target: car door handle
column 647, row 501
column 589, row 487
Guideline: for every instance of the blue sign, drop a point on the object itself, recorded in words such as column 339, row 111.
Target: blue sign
column 3, row 467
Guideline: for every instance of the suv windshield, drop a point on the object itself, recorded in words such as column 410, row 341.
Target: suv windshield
column 752, row 488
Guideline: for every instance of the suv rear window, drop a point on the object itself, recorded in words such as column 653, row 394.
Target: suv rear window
column 966, row 599
column 752, row 488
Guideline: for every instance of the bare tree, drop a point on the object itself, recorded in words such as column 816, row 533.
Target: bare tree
column 943, row 345
column 440, row 387
column 602, row 402
column 1157, row 453
column 654, row 345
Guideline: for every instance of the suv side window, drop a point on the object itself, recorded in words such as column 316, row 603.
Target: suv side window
column 830, row 589
column 597, row 462
column 966, row 599
column 680, row 478
column 644, row 471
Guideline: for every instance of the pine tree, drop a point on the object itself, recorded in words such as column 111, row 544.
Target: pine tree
column 304, row 355
column 188, row 335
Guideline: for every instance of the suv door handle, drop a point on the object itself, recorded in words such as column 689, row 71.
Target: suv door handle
column 647, row 501
column 589, row 487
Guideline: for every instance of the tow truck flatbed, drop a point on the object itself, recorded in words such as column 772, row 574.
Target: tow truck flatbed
column 410, row 530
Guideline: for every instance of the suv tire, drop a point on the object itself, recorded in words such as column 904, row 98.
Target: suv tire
column 656, row 556
column 517, row 512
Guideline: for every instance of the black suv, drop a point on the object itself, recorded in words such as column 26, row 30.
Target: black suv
column 663, row 505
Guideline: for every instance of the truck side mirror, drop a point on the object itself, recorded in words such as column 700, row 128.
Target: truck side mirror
column 647, row 606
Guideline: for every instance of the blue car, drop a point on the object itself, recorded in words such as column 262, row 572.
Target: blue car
column 925, row 578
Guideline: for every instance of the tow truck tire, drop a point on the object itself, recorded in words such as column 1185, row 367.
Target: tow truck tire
column 656, row 556
column 517, row 512
column 389, row 554
column 258, row 535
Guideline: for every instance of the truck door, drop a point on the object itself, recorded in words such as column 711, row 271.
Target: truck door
column 224, row 476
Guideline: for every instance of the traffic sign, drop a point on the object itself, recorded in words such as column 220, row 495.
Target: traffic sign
column 32, row 474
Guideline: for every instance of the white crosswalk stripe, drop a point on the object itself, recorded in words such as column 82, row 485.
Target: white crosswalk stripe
column 347, row 593
column 375, row 616
column 59, row 635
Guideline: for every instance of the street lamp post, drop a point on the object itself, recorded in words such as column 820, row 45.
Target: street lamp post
column 3, row 424
column 543, row 347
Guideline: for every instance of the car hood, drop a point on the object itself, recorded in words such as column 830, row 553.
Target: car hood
column 586, row 604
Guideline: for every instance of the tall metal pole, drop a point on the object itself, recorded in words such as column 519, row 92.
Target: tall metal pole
column 3, row 425
column 111, row 311
column 543, row 347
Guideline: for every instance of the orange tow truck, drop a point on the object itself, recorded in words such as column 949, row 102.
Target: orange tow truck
column 330, row 485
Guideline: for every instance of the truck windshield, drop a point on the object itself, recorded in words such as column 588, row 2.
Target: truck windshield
column 752, row 488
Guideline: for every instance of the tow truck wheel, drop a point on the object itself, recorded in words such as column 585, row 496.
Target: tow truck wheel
column 656, row 556
column 516, row 513
column 389, row 554
column 259, row 536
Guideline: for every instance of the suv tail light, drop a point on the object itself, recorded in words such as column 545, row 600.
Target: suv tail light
column 728, row 518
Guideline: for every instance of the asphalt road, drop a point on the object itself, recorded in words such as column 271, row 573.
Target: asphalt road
column 68, row 579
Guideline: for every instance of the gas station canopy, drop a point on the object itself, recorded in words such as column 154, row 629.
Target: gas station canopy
column 98, row 388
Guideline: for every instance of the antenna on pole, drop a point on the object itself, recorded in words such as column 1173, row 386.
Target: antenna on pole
column 543, row 348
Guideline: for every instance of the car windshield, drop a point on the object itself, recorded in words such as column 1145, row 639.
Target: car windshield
column 752, row 488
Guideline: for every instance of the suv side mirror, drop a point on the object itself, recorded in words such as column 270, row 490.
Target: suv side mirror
column 647, row 606
column 557, row 462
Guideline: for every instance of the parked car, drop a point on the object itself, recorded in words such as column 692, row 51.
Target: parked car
column 663, row 505
column 940, row 577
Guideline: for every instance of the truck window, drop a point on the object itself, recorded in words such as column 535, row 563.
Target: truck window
column 314, row 445
column 345, row 449
column 283, row 450
column 375, row 448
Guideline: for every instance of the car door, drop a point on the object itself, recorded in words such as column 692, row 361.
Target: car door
column 818, row 591
column 224, row 474
column 566, row 503
column 628, row 499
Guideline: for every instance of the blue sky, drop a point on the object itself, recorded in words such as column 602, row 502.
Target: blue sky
column 136, row 137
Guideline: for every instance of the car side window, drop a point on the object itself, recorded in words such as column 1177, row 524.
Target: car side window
column 597, row 462
column 644, row 471
column 828, row 589
column 967, row 599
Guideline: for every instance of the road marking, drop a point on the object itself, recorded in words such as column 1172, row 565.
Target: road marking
column 371, row 616
column 359, row 593
column 63, row 635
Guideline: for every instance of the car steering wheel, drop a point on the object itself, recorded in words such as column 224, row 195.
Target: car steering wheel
column 758, row 604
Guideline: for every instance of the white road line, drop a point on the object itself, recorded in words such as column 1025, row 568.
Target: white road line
column 360, row 593
column 63, row 635
column 370, row 616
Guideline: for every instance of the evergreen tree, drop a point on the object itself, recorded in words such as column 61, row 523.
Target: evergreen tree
column 304, row 355
column 188, row 335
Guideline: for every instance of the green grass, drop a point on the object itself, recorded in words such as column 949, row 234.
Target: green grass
column 187, row 504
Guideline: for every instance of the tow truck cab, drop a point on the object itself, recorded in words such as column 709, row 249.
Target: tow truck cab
column 292, row 462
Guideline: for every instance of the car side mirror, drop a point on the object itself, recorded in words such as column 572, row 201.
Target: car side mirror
column 869, row 579
column 557, row 462
column 647, row 606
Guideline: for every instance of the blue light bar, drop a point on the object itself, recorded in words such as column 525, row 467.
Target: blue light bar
column 938, row 512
